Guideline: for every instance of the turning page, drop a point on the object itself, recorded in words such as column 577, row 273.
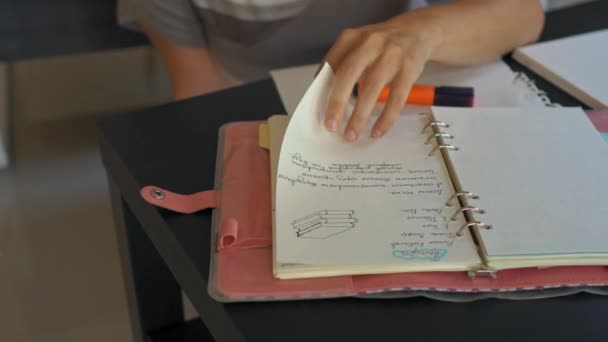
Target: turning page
column 374, row 206
column 541, row 177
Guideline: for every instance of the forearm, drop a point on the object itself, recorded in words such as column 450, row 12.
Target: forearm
column 477, row 31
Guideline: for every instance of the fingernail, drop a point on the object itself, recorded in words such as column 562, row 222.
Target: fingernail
column 351, row 135
column 332, row 125
column 377, row 133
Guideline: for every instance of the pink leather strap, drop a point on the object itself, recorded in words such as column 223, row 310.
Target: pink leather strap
column 185, row 204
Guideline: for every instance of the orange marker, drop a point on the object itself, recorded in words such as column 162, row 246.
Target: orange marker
column 426, row 95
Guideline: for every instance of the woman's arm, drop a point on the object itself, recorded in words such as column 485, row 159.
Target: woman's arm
column 395, row 52
column 191, row 69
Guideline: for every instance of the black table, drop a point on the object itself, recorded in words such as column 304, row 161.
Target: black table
column 174, row 147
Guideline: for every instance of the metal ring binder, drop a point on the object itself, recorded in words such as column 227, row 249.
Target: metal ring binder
column 463, row 209
column 436, row 135
column 459, row 194
column 483, row 269
column 473, row 224
column 434, row 123
column 446, row 146
column 486, row 272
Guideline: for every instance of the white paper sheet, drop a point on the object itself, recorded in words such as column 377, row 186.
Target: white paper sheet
column 372, row 202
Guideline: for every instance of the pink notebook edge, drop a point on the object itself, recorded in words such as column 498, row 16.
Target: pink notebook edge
column 535, row 279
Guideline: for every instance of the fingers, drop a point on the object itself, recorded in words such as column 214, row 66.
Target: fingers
column 373, row 56
column 341, row 47
column 347, row 74
column 381, row 73
column 400, row 89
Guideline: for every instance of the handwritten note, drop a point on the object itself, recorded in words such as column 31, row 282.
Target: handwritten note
column 426, row 228
column 373, row 202
column 395, row 178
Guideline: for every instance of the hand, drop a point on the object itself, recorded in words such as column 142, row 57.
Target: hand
column 390, row 53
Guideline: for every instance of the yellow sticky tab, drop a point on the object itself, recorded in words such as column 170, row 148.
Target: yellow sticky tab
column 263, row 136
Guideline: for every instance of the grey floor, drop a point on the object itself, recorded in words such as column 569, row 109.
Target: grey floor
column 60, row 278
column 59, row 272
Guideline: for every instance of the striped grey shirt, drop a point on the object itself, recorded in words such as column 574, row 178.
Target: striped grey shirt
column 250, row 37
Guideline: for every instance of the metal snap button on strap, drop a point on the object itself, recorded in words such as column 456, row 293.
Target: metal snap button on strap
column 158, row 194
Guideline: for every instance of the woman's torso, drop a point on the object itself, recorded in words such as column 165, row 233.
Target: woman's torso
column 249, row 39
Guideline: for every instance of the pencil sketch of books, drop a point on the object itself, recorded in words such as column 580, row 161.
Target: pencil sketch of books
column 324, row 224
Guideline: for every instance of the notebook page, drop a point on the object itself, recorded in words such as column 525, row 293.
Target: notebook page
column 374, row 202
column 540, row 174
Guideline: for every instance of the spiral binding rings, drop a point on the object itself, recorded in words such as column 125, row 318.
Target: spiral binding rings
column 472, row 224
column 434, row 123
column 446, row 146
column 542, row 95
column 463, row 209
column 459, row 194
column 436, row 135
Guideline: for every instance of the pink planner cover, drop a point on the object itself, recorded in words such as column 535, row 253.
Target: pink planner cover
column 241, row 267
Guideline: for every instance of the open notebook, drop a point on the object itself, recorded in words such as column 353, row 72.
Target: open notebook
column 536, row 177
